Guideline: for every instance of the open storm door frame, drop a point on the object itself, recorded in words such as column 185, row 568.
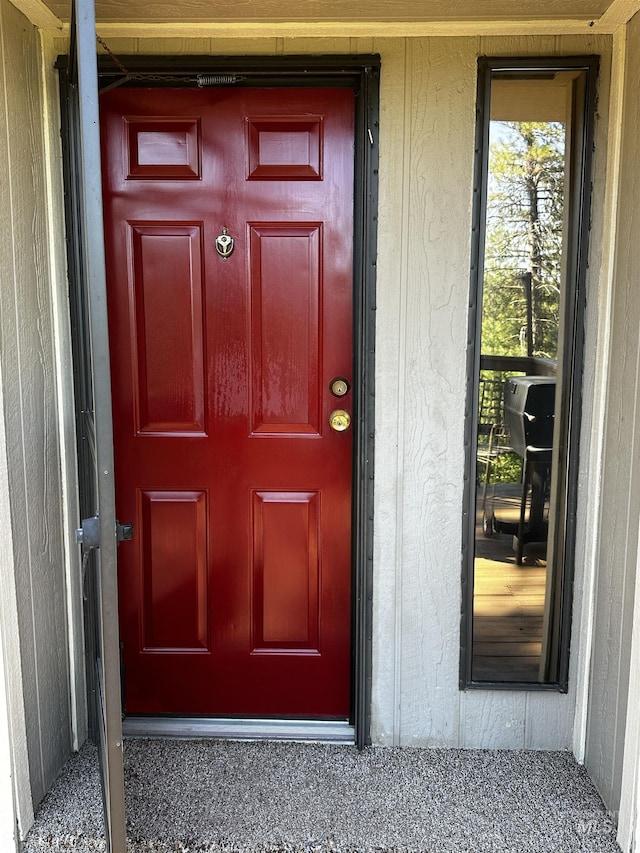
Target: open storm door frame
column 98, row 532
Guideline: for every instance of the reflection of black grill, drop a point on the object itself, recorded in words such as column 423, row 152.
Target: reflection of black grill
column 529, row 403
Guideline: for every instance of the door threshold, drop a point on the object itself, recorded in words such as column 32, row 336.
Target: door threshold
column 332, row 731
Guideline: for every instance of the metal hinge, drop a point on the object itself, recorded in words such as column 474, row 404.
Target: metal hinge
column 88, row 534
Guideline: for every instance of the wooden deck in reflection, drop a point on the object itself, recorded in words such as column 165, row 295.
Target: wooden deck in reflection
column 508, row 610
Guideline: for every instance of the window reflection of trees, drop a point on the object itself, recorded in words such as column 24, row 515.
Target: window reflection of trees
column 534, row 128
column 523, row 250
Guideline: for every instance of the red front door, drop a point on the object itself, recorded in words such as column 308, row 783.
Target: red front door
column 235, row 594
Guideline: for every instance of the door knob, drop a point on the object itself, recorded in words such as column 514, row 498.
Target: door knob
column 339, row 420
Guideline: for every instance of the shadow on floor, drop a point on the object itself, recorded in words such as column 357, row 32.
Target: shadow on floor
column 227, row 797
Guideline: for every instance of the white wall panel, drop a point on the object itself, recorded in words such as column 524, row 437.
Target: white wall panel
column 620, row 508
column 493, row 720
column 65, row 391
column 16, row 804
column 393, row 236
column 442, row 110
column 426, row 173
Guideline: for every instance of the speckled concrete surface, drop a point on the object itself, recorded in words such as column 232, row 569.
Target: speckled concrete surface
column 222, row 797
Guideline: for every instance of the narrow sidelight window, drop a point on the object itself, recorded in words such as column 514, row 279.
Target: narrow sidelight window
column 534, row 140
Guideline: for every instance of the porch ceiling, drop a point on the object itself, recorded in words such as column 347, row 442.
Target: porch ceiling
column 336, row 10
column 340, row 17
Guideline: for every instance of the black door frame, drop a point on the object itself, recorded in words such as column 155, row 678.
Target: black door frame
column 362, row 74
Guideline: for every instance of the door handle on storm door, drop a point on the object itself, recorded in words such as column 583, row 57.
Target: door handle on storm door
column 339, row 420
column 124, row 531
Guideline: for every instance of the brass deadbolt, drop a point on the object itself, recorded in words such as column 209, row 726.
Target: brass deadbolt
column 339, row 386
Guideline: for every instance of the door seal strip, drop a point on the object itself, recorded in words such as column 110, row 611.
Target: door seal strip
column 314, row 731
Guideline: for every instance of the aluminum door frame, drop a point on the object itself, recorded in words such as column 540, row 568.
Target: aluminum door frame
column 87, row 280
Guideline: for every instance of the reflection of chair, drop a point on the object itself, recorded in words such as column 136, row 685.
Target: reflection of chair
column 535, row 488
column 492, row 439
column 521, row 423
column 529, row 414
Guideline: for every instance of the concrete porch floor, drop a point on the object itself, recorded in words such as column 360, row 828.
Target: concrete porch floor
column 228, row 797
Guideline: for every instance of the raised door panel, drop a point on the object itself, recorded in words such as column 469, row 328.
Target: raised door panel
column 167, row 327
column 162, row 148
column 285, row 572
column 174, row 544
column 286, row 318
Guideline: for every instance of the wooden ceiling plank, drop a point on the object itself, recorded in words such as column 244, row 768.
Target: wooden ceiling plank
column 39, row 14
column 619, row 12
column 348, row 29
column 283, row 11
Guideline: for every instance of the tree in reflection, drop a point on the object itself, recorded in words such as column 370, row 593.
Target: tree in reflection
column 523, row 250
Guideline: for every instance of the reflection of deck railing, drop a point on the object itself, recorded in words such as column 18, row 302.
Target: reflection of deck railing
column 513, row 471
column 494, row 370
column 530, row 365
